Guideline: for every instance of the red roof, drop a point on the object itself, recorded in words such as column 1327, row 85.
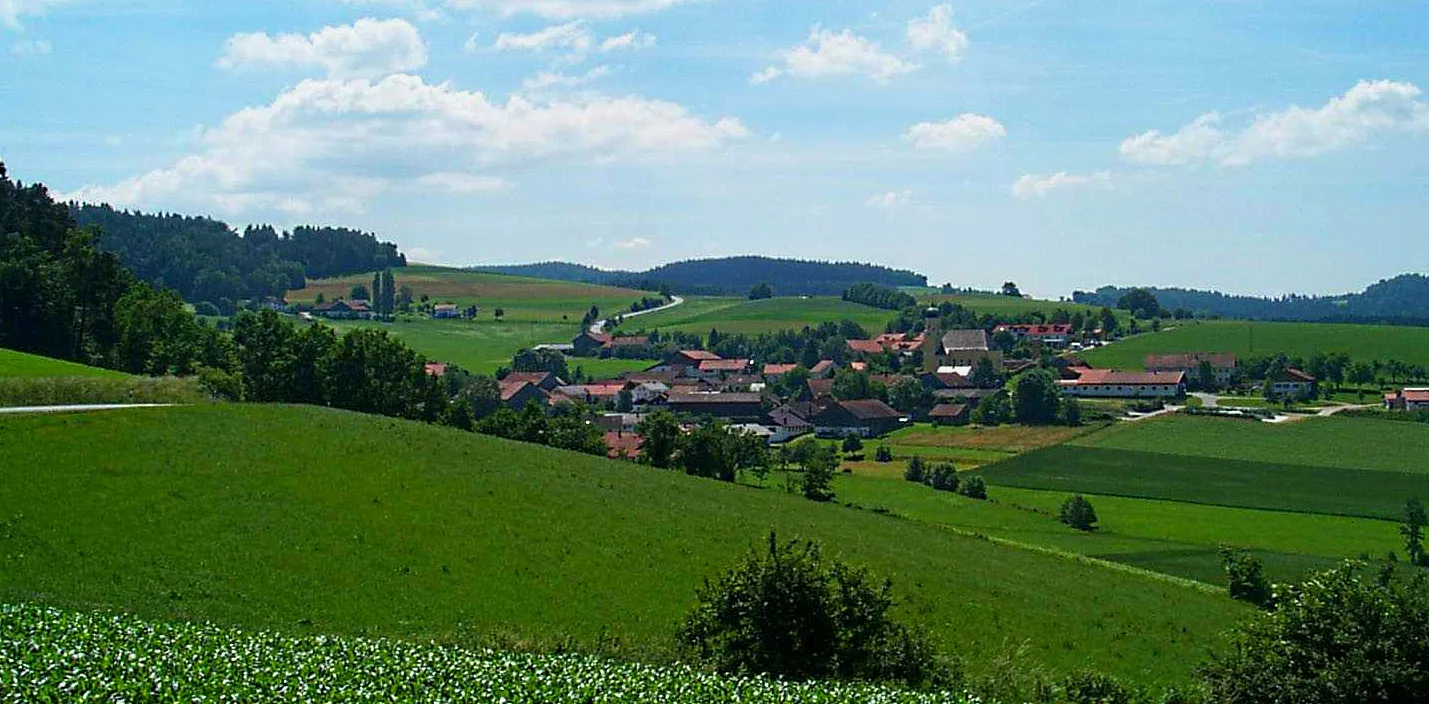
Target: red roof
column 628, row 342
column 1295, row 375
column 510, row 390
column 359, row 306
column 532, row 377
column 622, row 444
column 823, row 366
column 676, row 398
column 1163, row 362
column 870, row 409
column 600, row 337
column 1112, row 377
column 865, row 346
column 948, row 410
column 779, row 369
column 1410, row 396
column 724, row 365
column 698, row 355
column 858, row 366
column 436, row 369
column 821, row 387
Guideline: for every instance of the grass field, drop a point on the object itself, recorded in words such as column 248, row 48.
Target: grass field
column 1006, row 438
column 1361, row 342
column 994, row 304
column 1349, row 443
column 524, row 300
column 479, row 347
column 19, row 365
column 317, row 521
column 737, row 315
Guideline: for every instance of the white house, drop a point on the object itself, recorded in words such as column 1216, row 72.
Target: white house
column 1109, row 383
column 649, row 392
column 1407, row 400
column 1292, row 384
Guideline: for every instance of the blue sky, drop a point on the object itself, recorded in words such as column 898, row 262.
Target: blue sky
column 1253, row 146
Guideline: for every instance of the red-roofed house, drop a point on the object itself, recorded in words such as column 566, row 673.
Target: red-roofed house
column 771, row 370
column 589, row 344
column 344, row 310
column 950, row 414
column 1109, row 383
column 900, row 343
column 719, row 368
column 684, row 362
column 1292, row 384
column 621, row 445
column 545, row 381
column 517, row 395
column 1407, row 400
column 1223, row 364
column 865, row 347
column 824, row 368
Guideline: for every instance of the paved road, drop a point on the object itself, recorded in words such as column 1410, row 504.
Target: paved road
column 1208, row 400
column 599, row 326
column 81, row 408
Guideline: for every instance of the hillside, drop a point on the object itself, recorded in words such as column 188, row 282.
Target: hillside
column 1361, row 342
column 1402, row 299
column 729, row 276
column 19, row 365
column 317, row 521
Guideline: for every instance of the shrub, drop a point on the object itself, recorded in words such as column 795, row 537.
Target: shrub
column 1246, row 578
column 974, row 488
column 1343, row 637
column 852, row 444
column 916, row 471
column 944, row 477
column 226, row 386
column 1094, row 688
column 789, row 612
column 206, row 308
column 883, row 454
column 1078, row 513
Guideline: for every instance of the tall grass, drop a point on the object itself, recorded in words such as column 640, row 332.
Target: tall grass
column 63, row 391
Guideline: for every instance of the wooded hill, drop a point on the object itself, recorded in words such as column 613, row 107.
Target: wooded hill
column 206, row 260
column 732, row 276
column 1402, row 299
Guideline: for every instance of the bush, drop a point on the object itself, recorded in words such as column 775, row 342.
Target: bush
column 883, row 454
column 1078, row 513
column 1095, row 688
column 944, row 477
column 916, row 471
column 226, row 386
column 1246, row 578
column 206, row 308
column 788, row 612
column 852, row 444
column 1343, row 637
column 974, row 488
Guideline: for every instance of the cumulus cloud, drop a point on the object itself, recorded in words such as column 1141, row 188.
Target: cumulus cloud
column 936, row 32
column 828, row 54
column 366, row 48
column 891, row 200
column 549, row 80
column 333, row 145
column 1367, row 110
column 634, row 40
column 963, row 133
column 11, row 11
column 572, row 36
column 1038, row 186
column 634, row 243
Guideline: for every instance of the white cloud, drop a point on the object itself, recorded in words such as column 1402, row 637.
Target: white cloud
column 936, row 32
column 634, row 40
column 1037, row 186
column 457, row 182
column 12, row 10
column 1363, row 112
column 333, row 145
column 891, row 200
column 572, row 36
column 569, row 9
column 366, row 48
column 633, row 243
column 472, row 43
column 962, row 133
column 547, row 80
column 829, row 54
column 31, row 47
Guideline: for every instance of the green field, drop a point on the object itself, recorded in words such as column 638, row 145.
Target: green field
column 480, row 347
column 523, row 300
column 19, row 365
column 1349, row 443
column 307, row 520
column 737, row 315
column 1360, row 342
column 993, row 304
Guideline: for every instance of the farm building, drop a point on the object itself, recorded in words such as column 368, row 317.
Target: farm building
column 963, row 348
column 788, row 424
column 516, row 395
column 589, row 344
column 623, row 445
column 864, row 347
column 1407, row 400
column 868, row 418
column 436, row 369
column 445, row 311
column 722, row 368
column 950, row 414
column 1109, row 383
column 344, row 310
column 825, row 368
column 1050, row 335
column 1292, row 384
column 684, row 362
column 775, row 370
column 1223, row 364
column 747, row 407
column 544, row 381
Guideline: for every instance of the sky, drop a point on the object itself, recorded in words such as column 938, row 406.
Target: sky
column 1250, row 146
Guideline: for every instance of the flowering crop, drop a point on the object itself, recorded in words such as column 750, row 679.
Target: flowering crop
column 47, row 655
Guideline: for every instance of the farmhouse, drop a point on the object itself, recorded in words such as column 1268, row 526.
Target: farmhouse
column 821, row 390
column 544, row 381
column 776, row 370
column 824, row 368
column 445, row 311
column 589, row 344
column 868, row 418
column 516, row 395
column 606, row 392
column 1050, row 335
column 864, row 347
column 746, row 407
column 721, row 368
column 788, row 424
column 649, row 392
column 344, row 310
column 627, row 343
column 1292, row 384
column 684, row 362
column 1109, row 383
column 1223, row 364
column 1407, row 400
column 622, row 445
column 900, row 343
column 950, row 414
column 965, row 348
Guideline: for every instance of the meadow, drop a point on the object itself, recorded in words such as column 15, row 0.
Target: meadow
column 737, row 315
column 19, row 365
column 993, row 304
column 523, row 300
column 1245, row 339
column 317, row 521
column 480, row 346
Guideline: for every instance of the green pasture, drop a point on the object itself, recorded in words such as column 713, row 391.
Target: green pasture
column 477, row 346
column 309, row 520
column 19, row 365
column 737, row 315
column 1361, row 342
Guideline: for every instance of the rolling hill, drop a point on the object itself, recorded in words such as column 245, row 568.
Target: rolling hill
column 1361, row 342
column 20, row 365
column 729, row 276
column 1402, row 299
column 307, row 520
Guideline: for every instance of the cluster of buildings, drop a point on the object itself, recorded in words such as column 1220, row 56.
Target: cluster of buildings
column 1414, row 399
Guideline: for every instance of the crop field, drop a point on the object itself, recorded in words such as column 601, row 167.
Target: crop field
column 1209, row 480
column 49, row 655
column 523, row 300
column 737, row 315
column 376, row 527
column 19, row 365
column 1343, row 442
column 1361, row 342
column 480, row 347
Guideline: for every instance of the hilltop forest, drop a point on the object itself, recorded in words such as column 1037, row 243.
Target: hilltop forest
column 730, row 276
column 206, row 260
column 1403, row 299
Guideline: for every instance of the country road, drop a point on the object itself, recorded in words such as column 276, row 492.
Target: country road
column 81, row 408
column 599, row 326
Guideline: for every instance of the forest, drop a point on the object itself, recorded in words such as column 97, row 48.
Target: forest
column 205, row 260
column 1403, row 299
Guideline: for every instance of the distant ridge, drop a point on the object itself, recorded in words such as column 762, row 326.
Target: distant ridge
column 727, row 276
column 1402, row 300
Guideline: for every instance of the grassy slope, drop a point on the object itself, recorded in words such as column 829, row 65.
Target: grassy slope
column 1366, row 342
column 322, row 520
column 523, row 299
column 479, row 347
column 19, row 365
column 1006, row 305
column 1351, row 443
column 736, row 315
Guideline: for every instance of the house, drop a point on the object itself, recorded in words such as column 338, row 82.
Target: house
column 1109, row 383
column 965, row 348
column 970, row 397
column 721, row 368
column 604, row 392
column 1292, row 384
column 276, row 305
column 545, row 381
column 684, row 362
column 517, row 395
column 823, row 369
column 1407, row 400
column 1224, row 365
column 744, row 407
column 344, row 310
column 445, row 311
column 1055, row 335
column 436, row 369
column 864, row 348
column 821, row 390
column 900, row 343
column 623, row 445
column 618, row 421
column 951, row 414
column 589, row 343
column 631, row 345
column 762, row 432
column 788, row 423
column 777, row 370
column 867, row 418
